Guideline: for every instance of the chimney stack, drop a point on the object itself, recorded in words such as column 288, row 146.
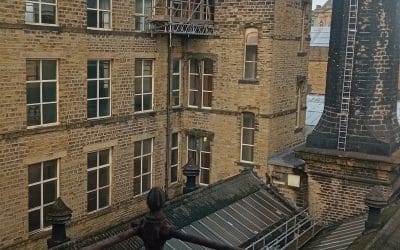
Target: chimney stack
column 191, row 171
column 375, row 203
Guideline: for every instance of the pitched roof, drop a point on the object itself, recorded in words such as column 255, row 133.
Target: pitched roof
column 233, row 211
column 328, row 4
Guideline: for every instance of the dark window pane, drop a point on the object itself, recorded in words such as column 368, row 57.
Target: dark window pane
column 147, row 85
column 91, row 69
column 92, row 180
column 104, row 107
column 248, row 136
column 205, row 176
column 138, row 85
column 206, row 145
column 147, row 102
column 34, row 174
column 175, row 82
column 137, row 166
column 251, row 53
column 207, row 98
column 49, row 113
column 174, row 157
column 49, row 191
column 195, row 82
column 34, row 196
column 104, row 88
column 34, row 220
column 49, row 70
column 46, row 210
column 147, row 67
column 192, row 143
column 104, row 4
column 33, row 93
column 139, row 6
column 250, row 70
column 247, row 153
column 49, row 169
column 174, row 174
column 48, row 14
column 136, row 185
column 104, row 177
column 175, row 139
column 91, row 201
column 146, row 164
column 92, row 108
column 138, row 23
column 49, row 92
column 194, row 66
column 138, row 67
column 33, row 115
column 146, row 185
column 205, row 160
column 208, row 66
column 176, row 66
column 47, row 1
column 192, row 155
column 92, row 4
column 104, row 19
column 147, row 146
column 92, row 160
column 104, row 156
column 207, row 83
column 104, row 69
column 175, row 98
column 32, row 70
column 32, row 12
column 193, row 100
column 92, row 89
column 248, row 120
column 138, row 103
column 137, row 148
column 92, row 18
column 104, row 197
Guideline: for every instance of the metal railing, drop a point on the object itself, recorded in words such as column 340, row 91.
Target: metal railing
column 292, row 234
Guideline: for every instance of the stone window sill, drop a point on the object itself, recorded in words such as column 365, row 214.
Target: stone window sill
column 249, row 81
column 98, row 213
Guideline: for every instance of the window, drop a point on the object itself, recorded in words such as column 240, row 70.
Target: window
column 41, row 92
column 40, row 11
column 143, row 85
column 247, row 142
column 176, row 82
column 143, row 9
column 99, row 14
column 98, row 180
column 42, row 192
column 173, row 173
column 142, row 165
column 250, row 60
column 98, row 89
column 200, row 83
column 201, row 144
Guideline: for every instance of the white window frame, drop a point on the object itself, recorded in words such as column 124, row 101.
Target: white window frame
column 174, row 148
column 98, row 16
column 41, row 103
column 201, row 75
column 98, row 98
column 41, row 207
column 142, row 76
column 198, row 161
column 242, row 144
column 141, row 175
column 40, row 2
column 97, row 169
column 179, row 74
column 247, row 44
column 143, row 15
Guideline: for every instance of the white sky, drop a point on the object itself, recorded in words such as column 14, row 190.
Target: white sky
column 318, row 2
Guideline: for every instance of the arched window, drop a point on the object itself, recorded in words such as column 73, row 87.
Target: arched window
column 250, row 58
column 247, row 140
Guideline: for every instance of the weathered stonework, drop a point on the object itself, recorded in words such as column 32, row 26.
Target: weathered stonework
column 271, row 98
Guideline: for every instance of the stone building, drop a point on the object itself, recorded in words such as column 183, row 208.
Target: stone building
column 85, row 113
column 322, row 15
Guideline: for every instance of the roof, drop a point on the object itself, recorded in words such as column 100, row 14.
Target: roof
column 328, row 4
column 235, row 211
column 320, row 36
column 286, row 158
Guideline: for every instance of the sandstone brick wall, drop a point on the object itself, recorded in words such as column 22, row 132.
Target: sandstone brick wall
column 272, row 99
column 317, row 66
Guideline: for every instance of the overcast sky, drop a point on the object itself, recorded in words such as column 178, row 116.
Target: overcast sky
column 316, row 2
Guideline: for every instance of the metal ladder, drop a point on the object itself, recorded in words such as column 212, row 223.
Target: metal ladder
column 348, row 75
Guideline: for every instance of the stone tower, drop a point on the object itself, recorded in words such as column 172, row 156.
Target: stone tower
column 361, row 117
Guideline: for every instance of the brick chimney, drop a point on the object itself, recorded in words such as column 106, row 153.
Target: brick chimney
column 361, row 89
